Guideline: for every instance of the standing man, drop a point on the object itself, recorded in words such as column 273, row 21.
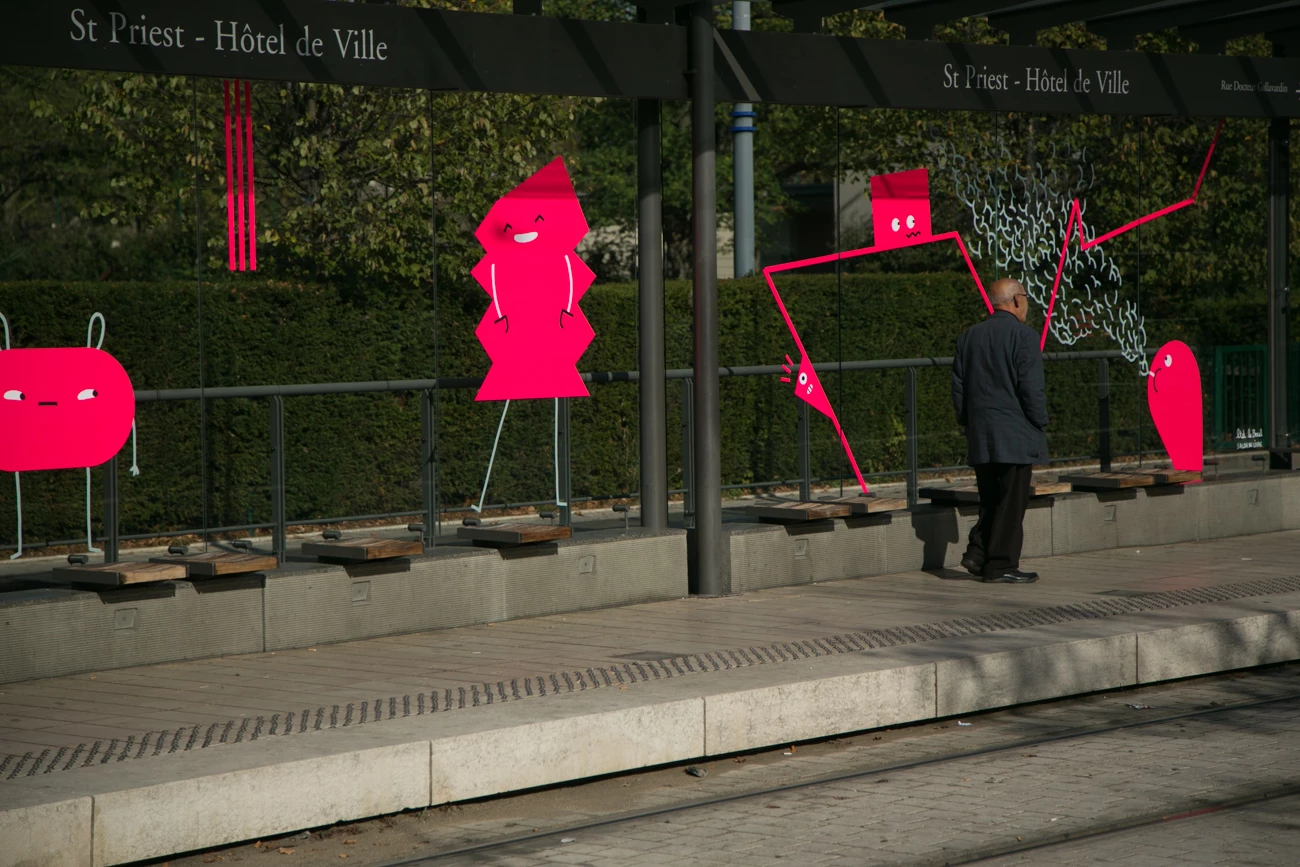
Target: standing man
column 997, row 390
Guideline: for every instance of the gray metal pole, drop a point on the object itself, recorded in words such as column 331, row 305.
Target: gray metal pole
column 742, row 136
column 688, row 454
column 111, row 518
column 913, row 465
column 279, row 544
column 650, row 275
column 805, row 455
column 564, row 466
column 709, row 577
column 1279, row 181
column 1103, row 412
column 428, row 470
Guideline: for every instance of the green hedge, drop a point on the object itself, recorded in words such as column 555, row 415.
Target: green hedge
column 358, row 454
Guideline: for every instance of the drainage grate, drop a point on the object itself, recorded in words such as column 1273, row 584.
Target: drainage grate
column 636, row 670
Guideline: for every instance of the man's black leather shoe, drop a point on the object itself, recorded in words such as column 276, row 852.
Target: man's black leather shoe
column 1013, row 577
column 972, row 566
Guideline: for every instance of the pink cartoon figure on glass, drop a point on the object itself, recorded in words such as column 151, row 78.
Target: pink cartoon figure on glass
column 533, row 330
column 1174, row 396
column 900, row 213
column 900, row 208
column 63, row 408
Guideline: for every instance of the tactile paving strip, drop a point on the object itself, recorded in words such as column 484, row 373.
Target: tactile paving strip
column 295, row 722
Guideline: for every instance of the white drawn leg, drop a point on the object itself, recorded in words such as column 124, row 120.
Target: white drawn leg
column 492, row 459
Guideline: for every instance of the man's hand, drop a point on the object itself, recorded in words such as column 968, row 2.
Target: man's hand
column 506, row 320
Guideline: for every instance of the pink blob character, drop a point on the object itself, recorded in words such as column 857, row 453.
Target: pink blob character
column 62, row 408
column 534, row 331
column 1174, row 396
column 900, row 208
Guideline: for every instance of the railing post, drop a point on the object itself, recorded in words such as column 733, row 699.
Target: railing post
column 564, row 472
column 650, row 279
column 1103, row 412
column 110, row 511
column 805, row 457
column 428, row 472
column 1277, row 436
column 279, row 544
column 913, row 471
column 688, row 454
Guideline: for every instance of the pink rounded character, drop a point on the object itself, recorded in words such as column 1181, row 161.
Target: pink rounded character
column 533, row 330
column 62, row 408
column 1174, row 396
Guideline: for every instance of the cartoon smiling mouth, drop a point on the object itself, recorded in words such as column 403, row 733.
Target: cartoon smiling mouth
column 525, row 237
column 912, row 234
column 48, row 403
column 1155, row 383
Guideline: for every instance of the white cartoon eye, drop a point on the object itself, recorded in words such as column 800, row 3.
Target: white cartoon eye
column 87, row 394
column 1169, row 360
column 803, row 379
column 911, row 222
column 894, row 224
column 14, row 394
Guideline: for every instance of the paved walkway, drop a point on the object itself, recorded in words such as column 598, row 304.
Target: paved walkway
column 130, row 703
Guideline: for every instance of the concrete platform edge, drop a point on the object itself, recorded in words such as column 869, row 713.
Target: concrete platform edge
column 152, row 809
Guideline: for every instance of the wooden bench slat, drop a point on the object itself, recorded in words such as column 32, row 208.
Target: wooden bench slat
column 970, row 494
column 960, row 496
column 510, row 533
column 792, row 513
column 215, row 563
column 120, row 574
column 1108, row 481
column 364, row 548
column 1175, row 477
column 869, row 505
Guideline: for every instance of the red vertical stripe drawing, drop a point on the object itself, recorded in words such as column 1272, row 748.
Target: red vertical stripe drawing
column 252, row 200
column 239, row 177
column 230, row 185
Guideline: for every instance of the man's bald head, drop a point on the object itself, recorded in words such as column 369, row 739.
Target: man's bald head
column 1009, row 295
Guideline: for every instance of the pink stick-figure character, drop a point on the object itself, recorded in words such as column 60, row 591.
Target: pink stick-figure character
column 534, row 330
column 900, row 213
column 900, row 216
column 63, row 408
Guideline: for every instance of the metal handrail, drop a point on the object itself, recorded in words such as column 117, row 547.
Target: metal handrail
column 458, row 382
column 432, row 511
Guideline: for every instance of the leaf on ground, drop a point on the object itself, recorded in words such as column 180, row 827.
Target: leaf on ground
column 285, row 850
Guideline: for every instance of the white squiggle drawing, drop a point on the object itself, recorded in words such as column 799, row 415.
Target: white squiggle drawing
column 1021, row 214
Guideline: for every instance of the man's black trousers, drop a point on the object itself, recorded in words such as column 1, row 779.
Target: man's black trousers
column 998, row 536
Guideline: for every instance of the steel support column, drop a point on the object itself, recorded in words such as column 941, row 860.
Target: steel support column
column 805, row 454
column 111, row 511
column 708, row 574
column 563, row 467
column 428, row 470
column 910, row 431
column 278, row 542
column 1103, row 413
column 742, row 172
column 650, row 276
column 1279, row 309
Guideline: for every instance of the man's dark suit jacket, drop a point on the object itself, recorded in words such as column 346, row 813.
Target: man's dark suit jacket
column 997, row 390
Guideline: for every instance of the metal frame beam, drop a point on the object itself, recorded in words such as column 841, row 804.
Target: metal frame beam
column 1022, row 25
column 919, row 19
column 1214, row 34
column 1154, row 17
